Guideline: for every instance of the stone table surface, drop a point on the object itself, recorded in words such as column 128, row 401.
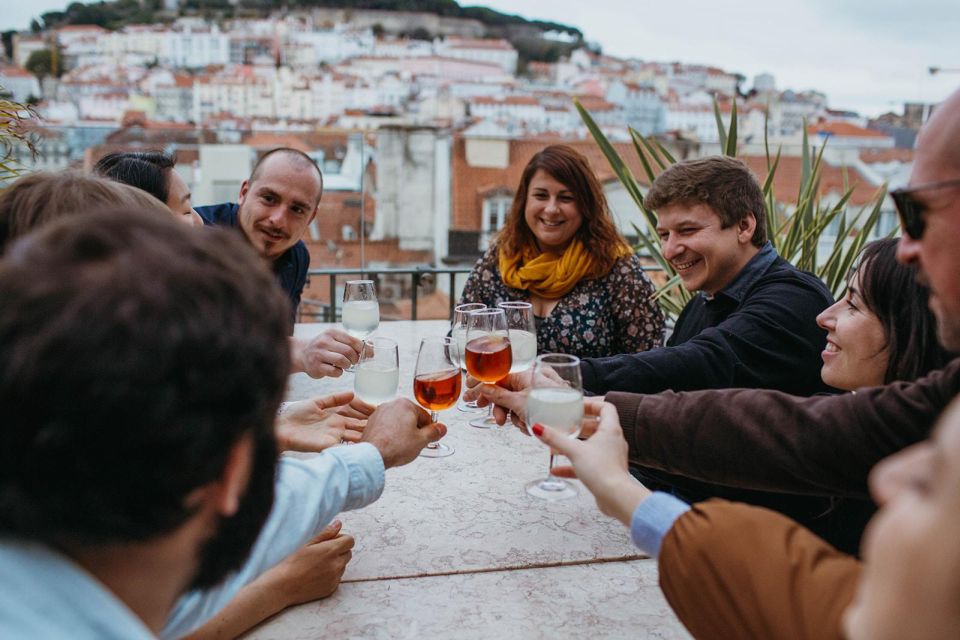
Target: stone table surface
column 455, row 547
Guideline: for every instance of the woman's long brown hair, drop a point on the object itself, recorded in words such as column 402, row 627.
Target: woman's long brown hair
column 597, row 231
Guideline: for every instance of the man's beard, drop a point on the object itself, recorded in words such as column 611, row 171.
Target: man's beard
column 229, row 547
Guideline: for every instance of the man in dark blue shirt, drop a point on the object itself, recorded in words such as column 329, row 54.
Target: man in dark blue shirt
column 275, row 207
column 753, row 320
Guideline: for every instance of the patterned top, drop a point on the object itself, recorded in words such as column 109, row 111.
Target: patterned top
column 600, row 317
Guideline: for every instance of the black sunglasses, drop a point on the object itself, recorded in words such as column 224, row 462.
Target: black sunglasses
column 911, row 210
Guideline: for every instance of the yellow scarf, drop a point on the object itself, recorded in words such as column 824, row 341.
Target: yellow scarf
column 549, row 275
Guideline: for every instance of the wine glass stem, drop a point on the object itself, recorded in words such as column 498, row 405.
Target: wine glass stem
column 434, row 416
column 553, row 458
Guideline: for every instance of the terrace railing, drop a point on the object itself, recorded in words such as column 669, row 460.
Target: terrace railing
column 312, row 310
column 419, row 277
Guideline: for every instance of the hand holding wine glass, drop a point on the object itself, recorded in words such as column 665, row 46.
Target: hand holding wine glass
column 488, row 353
column 600, row 462
column 436, row 383
column 377, row 375
column 559, row 407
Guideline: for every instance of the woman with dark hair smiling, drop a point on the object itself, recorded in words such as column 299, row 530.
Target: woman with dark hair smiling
column 561, row 251
column 153, row 172
column 882, row 330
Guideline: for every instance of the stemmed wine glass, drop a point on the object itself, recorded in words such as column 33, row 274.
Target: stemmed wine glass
column 556, row 400
column 436, row 383
column 377, row 374
column 458, row 331
column 488, row 353
column 523, row 333
column 361, row 311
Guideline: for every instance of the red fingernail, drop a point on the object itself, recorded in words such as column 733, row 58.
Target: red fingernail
column 537, row 429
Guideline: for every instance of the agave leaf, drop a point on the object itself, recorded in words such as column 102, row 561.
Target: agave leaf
column 653, row 152
column 766, row 139
column 731, row 146
column 721, row 130
column 804, row 156
column 663, row 151
column 635, row 137
column 619, row 167
column 771, row 172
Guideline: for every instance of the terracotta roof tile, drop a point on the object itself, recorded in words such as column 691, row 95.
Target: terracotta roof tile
column 886, row 155
column 844, row 129
column 786, row 184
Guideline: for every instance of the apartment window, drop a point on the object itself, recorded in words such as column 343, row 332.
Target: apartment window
column 494, row 213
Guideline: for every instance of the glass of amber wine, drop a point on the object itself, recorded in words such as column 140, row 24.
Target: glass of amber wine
column 436, row 383
column 458, row 330
column 488, row 353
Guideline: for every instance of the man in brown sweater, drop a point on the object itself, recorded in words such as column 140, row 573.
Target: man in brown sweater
column 768, row 440
column 731, row 570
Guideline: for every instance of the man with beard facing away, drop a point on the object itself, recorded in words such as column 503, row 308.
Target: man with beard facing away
column 141, row 368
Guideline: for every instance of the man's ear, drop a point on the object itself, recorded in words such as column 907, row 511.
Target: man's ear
column 746, row 228
column 244, row 188
column 316, row 209
column 236, row 476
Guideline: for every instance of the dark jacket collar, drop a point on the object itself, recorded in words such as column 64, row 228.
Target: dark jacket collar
column 744, row 280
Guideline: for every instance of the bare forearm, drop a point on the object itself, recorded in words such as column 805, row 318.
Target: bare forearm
column 253, row 604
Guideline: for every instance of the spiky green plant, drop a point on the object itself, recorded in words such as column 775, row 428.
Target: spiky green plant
column 795, row 235
column 14, row 132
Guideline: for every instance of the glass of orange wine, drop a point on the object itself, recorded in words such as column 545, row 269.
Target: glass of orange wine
column 436, row 383
column 458, row 330
column 488, row 353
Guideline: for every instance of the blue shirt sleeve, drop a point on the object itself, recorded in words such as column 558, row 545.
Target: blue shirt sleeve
column 653, row 519
column 309, row 493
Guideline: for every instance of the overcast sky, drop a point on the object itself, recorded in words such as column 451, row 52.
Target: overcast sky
column 867, row 55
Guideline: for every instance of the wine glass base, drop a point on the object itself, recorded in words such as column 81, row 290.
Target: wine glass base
column 552, row 489
column 468, row 407
column 440, row 451
column 484, row 422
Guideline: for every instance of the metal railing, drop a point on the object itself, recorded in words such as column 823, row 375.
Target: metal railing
column 420, row 276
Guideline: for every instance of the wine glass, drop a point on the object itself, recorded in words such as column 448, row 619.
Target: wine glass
column 523, row 333
column 488, row 354
column 377, row 374
column 361, row 311
column 458, row 331
column 556, row 400
column 436, row 383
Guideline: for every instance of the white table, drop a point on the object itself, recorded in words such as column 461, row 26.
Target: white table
column 455, row 547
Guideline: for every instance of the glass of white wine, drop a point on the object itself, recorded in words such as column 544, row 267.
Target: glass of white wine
column 555, row 400
column 377, row 375
column 523, row 333
column 458, row 331
column 361, row 311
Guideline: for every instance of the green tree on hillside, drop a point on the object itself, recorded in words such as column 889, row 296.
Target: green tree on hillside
column 43, row 63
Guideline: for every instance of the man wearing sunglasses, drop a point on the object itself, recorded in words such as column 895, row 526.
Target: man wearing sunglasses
column 930, row 216
column 824, row 445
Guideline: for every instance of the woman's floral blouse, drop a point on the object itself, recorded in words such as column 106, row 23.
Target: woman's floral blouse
column 601, row 317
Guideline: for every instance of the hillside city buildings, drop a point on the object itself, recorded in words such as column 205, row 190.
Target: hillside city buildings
column 421, row 141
